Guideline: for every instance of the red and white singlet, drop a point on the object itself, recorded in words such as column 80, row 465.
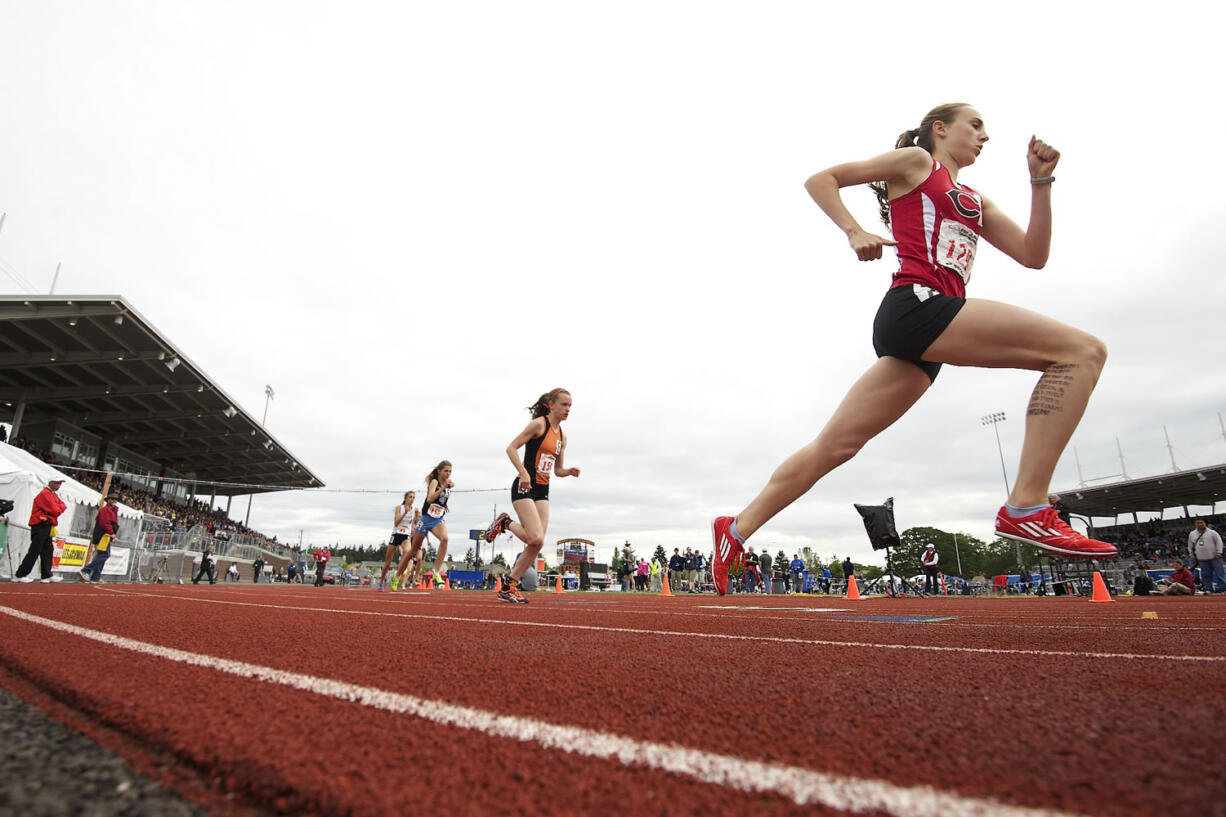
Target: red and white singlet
column 937, row 227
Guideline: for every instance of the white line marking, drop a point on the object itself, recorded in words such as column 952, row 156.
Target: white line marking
column 803, row 786
column 718, row 636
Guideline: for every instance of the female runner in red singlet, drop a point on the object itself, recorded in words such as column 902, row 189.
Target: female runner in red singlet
column 544, row 445
column 925, row 320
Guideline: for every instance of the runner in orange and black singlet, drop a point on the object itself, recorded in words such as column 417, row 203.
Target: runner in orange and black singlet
column 544, row 445
column 540, row 456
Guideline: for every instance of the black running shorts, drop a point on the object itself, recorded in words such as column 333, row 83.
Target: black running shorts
column 396, row 539
column 909, row 319
column 536, row 493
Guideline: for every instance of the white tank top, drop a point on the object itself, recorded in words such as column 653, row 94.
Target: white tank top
column 405, row 521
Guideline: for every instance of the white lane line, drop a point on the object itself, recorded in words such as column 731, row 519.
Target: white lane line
column 687, row 634
column 800, row 785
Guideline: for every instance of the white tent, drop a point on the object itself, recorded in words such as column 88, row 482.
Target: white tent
column 22, row 476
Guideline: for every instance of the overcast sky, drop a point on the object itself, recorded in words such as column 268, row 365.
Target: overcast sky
column 412, row 218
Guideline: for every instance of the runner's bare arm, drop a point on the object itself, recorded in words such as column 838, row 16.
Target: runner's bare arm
column 905, row 168
column 560, row 470
column 1030, row 247
column 534, row 429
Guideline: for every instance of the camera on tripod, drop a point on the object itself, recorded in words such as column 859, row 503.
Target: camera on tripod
column 882, row 535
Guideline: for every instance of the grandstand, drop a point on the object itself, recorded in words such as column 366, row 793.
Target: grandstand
column 88, row 384
column 1153, row 540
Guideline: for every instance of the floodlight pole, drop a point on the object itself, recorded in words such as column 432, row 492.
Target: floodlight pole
column 992, row 419
column 268, row 395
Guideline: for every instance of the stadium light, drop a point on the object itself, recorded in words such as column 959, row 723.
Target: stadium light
column 268, row 396
column 119, row 320
column 173, row 363
column 993, row 419
column 230, row 410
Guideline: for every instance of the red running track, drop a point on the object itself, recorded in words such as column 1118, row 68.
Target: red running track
column 338, row 701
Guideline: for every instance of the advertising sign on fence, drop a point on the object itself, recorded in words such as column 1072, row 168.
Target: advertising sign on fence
column 69, row 551
column 117, row 564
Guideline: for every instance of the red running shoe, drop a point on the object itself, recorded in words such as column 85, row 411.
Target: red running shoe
column 727, row 551
column 1045, row 529
column 499, row 525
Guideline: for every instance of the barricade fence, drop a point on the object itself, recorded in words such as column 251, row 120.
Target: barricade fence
column 144, row 552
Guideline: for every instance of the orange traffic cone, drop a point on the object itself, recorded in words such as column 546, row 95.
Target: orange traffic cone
column 447, row 581
column 557, row 588
column 853, row 592
column 1100, row 589
column 664, row 591
column 497, row 584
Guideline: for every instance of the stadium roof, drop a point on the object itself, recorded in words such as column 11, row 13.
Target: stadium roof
column 1199, row 486
column 95, row 362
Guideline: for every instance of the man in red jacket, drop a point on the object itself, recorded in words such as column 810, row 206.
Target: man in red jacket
column 43, row 517
column 105, row 529
column 321, row 564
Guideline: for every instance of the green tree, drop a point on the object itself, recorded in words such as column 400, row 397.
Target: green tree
column 470, row 558
column 499, row 559
column 951, row 548
column 660, row 556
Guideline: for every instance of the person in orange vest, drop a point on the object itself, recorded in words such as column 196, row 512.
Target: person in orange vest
column 44, row 516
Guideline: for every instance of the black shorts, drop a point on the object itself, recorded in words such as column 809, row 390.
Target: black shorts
column 397, row 539
column 909, row 319
column 536, row 493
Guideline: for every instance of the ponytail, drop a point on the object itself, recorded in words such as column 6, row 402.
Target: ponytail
column 541, row 407
column 920, row 137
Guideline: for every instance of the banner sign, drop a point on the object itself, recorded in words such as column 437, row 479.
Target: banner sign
column 117, row 564
column 69, row 551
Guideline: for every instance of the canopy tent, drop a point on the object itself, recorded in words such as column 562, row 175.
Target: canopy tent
column 22, row 476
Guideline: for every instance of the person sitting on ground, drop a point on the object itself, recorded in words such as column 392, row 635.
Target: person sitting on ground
column 1181, row 582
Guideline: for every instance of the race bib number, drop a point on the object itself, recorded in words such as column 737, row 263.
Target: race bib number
column 956, row 248
column 403, row 530
column 436, row 510
column 544, row 464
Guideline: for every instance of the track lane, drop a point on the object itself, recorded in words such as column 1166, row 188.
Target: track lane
column 825, row 682
column 253, row 759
